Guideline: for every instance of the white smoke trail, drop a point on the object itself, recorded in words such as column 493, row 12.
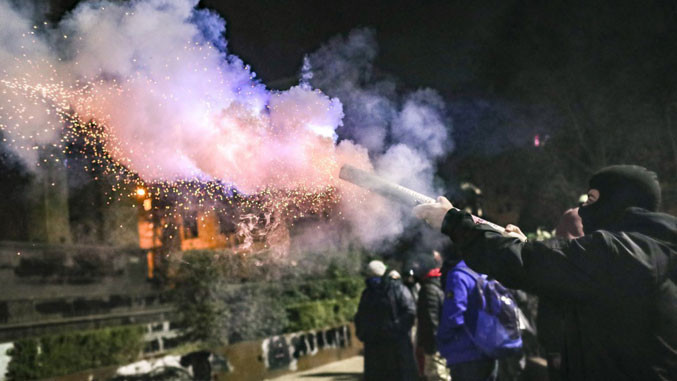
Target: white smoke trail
column 405, row 134
column 176, row 105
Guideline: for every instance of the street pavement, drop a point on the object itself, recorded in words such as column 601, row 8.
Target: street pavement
column 345, row 370
column 351, row 370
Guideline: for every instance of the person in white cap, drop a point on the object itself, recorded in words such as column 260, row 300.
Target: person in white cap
column 376, row 269
column 384, row 318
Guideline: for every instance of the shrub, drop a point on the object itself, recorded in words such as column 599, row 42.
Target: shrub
column 58, row 355
column 215, row 307
column 201, row 311
column 256, row 310
column 321, row 314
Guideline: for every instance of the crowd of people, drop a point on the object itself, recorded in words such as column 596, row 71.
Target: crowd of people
column 606, row 284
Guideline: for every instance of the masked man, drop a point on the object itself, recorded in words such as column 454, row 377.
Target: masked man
column 618, row 281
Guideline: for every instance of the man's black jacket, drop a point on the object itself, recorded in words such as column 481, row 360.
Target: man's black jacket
column 428, row 308
column 383, row 321
column 619, row 285
column 386, row 311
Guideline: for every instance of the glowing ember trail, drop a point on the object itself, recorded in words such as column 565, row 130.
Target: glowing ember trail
column 148, row 94
column 191, row 122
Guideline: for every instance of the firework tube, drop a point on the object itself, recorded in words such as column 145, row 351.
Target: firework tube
column 394, row 191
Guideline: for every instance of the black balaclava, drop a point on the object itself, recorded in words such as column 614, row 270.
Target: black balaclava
column 620, row 187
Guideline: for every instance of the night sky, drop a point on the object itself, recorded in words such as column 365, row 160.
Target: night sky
column 423, row 43
column 456, row 47
column 419, row 41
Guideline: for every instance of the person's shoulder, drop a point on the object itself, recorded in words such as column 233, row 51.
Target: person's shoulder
column 608, row 239
column 653, row 225
column 461, row 275
column 391, row 284
column 430, row 285
column 598, row 238
column 462, row 269
column 629, row 251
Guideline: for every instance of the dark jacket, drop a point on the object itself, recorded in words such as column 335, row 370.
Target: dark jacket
column 428, row 311
column 550, row 323
column 619, row 286
column 383, row 321
column 386, row 310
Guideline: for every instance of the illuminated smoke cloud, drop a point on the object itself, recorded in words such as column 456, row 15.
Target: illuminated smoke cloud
column 176, row 105
column 26, row 124
column 405, row 134
column 196, row 111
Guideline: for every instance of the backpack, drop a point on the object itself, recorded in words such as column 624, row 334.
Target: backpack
column 496, row 332
column 375, row 318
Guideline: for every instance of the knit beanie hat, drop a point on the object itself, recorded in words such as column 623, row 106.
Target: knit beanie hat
column 376, row 268
column 620, row 187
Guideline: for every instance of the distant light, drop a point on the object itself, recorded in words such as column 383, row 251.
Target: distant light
column 537, row 140
column 140, row 192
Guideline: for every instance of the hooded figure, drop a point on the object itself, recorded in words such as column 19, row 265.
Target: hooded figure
column 383, row 321
column 615, row 189
column 618, row 281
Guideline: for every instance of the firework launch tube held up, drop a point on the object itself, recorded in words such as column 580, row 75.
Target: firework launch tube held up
column 388, row 189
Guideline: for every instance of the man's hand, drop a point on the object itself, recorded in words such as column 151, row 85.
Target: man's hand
column 515, row 232
column 433, row 214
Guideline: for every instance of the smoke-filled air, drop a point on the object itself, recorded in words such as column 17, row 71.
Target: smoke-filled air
column 153, row 88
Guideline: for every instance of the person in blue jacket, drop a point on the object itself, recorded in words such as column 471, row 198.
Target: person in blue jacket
column 464, row 359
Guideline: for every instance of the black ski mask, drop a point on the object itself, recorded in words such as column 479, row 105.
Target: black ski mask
column 620, row 187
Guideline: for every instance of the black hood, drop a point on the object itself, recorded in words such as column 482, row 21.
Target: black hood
column 660, row 227
column 620, row 187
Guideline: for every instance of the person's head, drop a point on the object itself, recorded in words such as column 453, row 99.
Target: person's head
column 451, row 255
column 394, row 275
column 570, row 225
column 418, row 267
column 375, row 268
column 614, row 189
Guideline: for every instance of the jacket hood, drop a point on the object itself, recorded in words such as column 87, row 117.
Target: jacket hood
column 659, row 226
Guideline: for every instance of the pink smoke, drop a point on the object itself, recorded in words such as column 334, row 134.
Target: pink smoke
column 175, row 106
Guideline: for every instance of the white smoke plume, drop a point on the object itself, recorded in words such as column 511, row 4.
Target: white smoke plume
column 176, row 105
column 404, row 133
column 25, row 123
